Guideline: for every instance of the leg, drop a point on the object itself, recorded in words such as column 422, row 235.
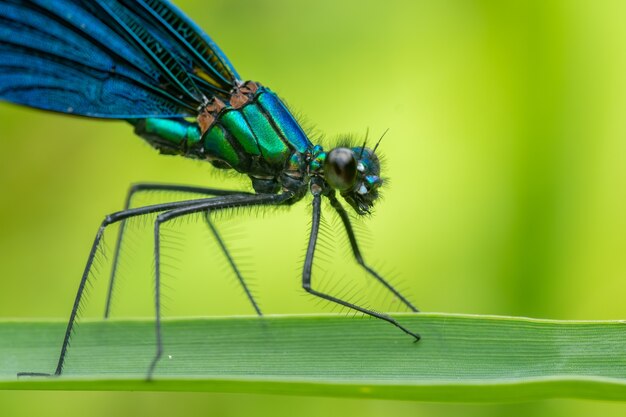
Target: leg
column 308, row 264
column 232, row 264
column 108, row 220
column 214, row 204
column 136, row 188
column 357, row 253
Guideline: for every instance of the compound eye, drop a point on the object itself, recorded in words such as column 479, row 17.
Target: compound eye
column 340, row 169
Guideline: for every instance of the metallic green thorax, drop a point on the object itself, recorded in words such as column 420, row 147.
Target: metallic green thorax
column 257, row 139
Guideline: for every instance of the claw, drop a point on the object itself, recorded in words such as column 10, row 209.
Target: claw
column 20, row 374
column 416, row 336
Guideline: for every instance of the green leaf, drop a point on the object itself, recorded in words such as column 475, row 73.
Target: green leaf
column 460, row 358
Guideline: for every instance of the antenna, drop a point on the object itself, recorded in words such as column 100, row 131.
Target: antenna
column 367, row 133
column 381, row 138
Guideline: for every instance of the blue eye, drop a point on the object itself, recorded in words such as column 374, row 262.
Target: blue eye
column 340, row 169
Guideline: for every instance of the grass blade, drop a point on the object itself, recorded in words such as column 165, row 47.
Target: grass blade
column 461, row 358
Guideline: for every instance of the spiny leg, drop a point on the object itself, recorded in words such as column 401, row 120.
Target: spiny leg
column 108, row 220
column 214, row 204
column 357, row 252
column 145, row 187
column 231, row 261
column 308, row 265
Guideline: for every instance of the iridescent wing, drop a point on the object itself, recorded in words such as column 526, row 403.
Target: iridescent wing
column 108, row 58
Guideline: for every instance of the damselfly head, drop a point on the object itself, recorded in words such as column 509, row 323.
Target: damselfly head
column 355, row 173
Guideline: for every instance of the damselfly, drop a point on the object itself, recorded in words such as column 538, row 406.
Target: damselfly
column 145, row 62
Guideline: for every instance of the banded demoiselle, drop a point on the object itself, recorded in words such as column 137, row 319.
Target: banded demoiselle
column 145, row 62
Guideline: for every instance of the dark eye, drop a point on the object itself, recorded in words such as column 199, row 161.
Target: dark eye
column 340, row 169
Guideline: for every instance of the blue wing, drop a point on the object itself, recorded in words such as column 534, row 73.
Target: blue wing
column 108, row 58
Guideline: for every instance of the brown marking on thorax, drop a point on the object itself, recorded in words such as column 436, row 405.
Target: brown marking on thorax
column 239, row 97
column 243, row 95
column 209, row 113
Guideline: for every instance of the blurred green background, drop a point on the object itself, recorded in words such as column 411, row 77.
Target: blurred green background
column 506, row 156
